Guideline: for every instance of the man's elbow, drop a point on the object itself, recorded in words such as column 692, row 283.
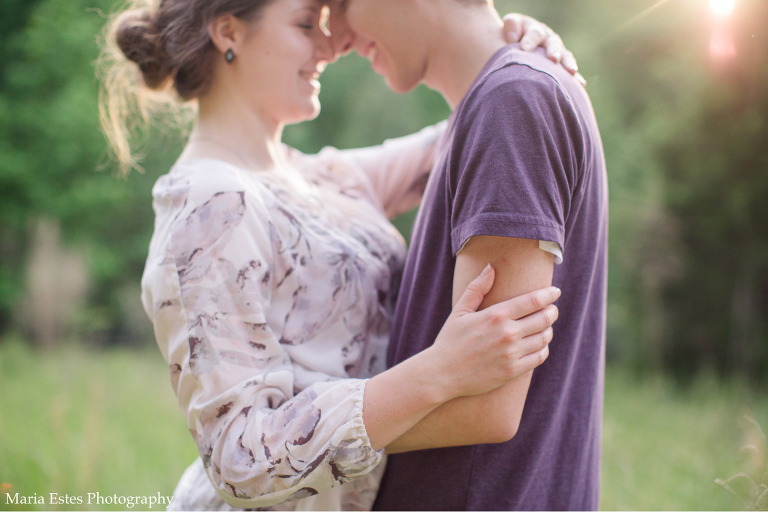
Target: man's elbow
column 503, row 409
column 505, row 429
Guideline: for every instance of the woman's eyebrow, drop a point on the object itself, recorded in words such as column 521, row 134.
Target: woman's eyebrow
column 315, row 9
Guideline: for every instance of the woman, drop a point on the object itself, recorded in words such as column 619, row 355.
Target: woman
column 271, row 274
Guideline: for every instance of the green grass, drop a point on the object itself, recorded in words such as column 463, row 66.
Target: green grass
column 74, row 421
column 663, row 447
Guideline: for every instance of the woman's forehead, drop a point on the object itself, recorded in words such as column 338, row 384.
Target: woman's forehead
column 315, row 5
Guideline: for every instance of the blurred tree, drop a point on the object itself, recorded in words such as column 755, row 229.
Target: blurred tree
column 50, row 147
column 13, row 18
column 684, row 138
column 718, row 184
column 684, row 129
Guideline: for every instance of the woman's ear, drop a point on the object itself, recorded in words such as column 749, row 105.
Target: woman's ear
column 227, row 33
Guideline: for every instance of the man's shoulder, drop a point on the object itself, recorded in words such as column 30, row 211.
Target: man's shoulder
column 514, row 75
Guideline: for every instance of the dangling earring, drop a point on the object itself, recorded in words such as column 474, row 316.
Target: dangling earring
column 229, row 55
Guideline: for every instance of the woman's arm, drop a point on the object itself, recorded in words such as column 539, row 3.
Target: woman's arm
column 397, row 169
column 208, row 287
column 474, row 354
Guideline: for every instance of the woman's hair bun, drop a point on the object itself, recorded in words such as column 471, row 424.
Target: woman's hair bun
column 139, row 38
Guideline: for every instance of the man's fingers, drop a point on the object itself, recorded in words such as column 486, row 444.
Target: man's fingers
column 473, row 296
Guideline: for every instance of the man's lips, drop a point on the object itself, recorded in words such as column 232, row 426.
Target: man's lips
column 370, row 52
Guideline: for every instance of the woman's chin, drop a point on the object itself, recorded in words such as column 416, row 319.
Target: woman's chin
column 315, row 108
column 307, row 112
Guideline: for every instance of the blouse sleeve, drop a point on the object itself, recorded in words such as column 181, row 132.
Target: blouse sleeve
column 207, row 287
column 398, row 169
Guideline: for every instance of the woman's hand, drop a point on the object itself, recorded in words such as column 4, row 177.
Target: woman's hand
column 474, row 353
column 530, row 33
column 481, row 351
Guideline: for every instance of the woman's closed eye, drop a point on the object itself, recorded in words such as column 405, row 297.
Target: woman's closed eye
column 309, row 18
column 317, row 19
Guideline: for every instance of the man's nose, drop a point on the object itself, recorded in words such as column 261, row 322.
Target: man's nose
column 343, row 43
column 325, row 50
column 342, row 36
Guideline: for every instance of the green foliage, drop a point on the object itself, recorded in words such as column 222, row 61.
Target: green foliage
column 717, row 184
column 684, row 135
column 664, row 447
column 75, row 421
column 750, row 486
column 684, row 138
column 50, row 150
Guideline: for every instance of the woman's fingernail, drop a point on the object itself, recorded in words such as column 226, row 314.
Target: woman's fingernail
column 486, row 270
column 556, row 56
column 512, row 36
column 526, row 47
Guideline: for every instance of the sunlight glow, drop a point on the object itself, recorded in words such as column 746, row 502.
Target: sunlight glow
column 722, row 48
column 722, row 7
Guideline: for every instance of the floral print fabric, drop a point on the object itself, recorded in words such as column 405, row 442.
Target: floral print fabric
column 271, row 295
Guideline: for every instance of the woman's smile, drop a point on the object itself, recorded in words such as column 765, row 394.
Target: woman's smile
column 312, row 78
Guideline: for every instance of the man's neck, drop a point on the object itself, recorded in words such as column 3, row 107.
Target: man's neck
column 466, row 38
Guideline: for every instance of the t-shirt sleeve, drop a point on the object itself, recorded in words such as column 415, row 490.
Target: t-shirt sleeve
column 208, row 290
column 514, row 159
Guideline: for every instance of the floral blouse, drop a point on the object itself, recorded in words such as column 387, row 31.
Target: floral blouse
column 271, row 295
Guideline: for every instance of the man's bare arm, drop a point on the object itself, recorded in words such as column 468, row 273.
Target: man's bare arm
column 493, row 417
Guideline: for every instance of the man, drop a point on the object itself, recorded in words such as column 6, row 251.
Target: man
column 519, row 183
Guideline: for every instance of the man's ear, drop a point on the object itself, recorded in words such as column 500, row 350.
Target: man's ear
column 227, row 33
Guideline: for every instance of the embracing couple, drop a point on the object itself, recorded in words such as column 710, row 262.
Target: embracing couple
column 319, row 367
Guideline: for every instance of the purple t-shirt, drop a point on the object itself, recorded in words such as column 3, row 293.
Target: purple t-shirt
column 522, row 158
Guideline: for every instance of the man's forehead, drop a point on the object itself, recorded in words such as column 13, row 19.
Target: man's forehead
column 339, row 4
column 337, row 7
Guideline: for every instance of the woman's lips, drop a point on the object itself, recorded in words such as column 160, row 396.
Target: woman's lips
column 312, row 77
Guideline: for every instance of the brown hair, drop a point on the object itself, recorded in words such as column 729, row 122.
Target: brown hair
column 156, row 59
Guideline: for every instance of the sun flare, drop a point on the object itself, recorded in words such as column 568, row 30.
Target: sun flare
column 722, row 7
